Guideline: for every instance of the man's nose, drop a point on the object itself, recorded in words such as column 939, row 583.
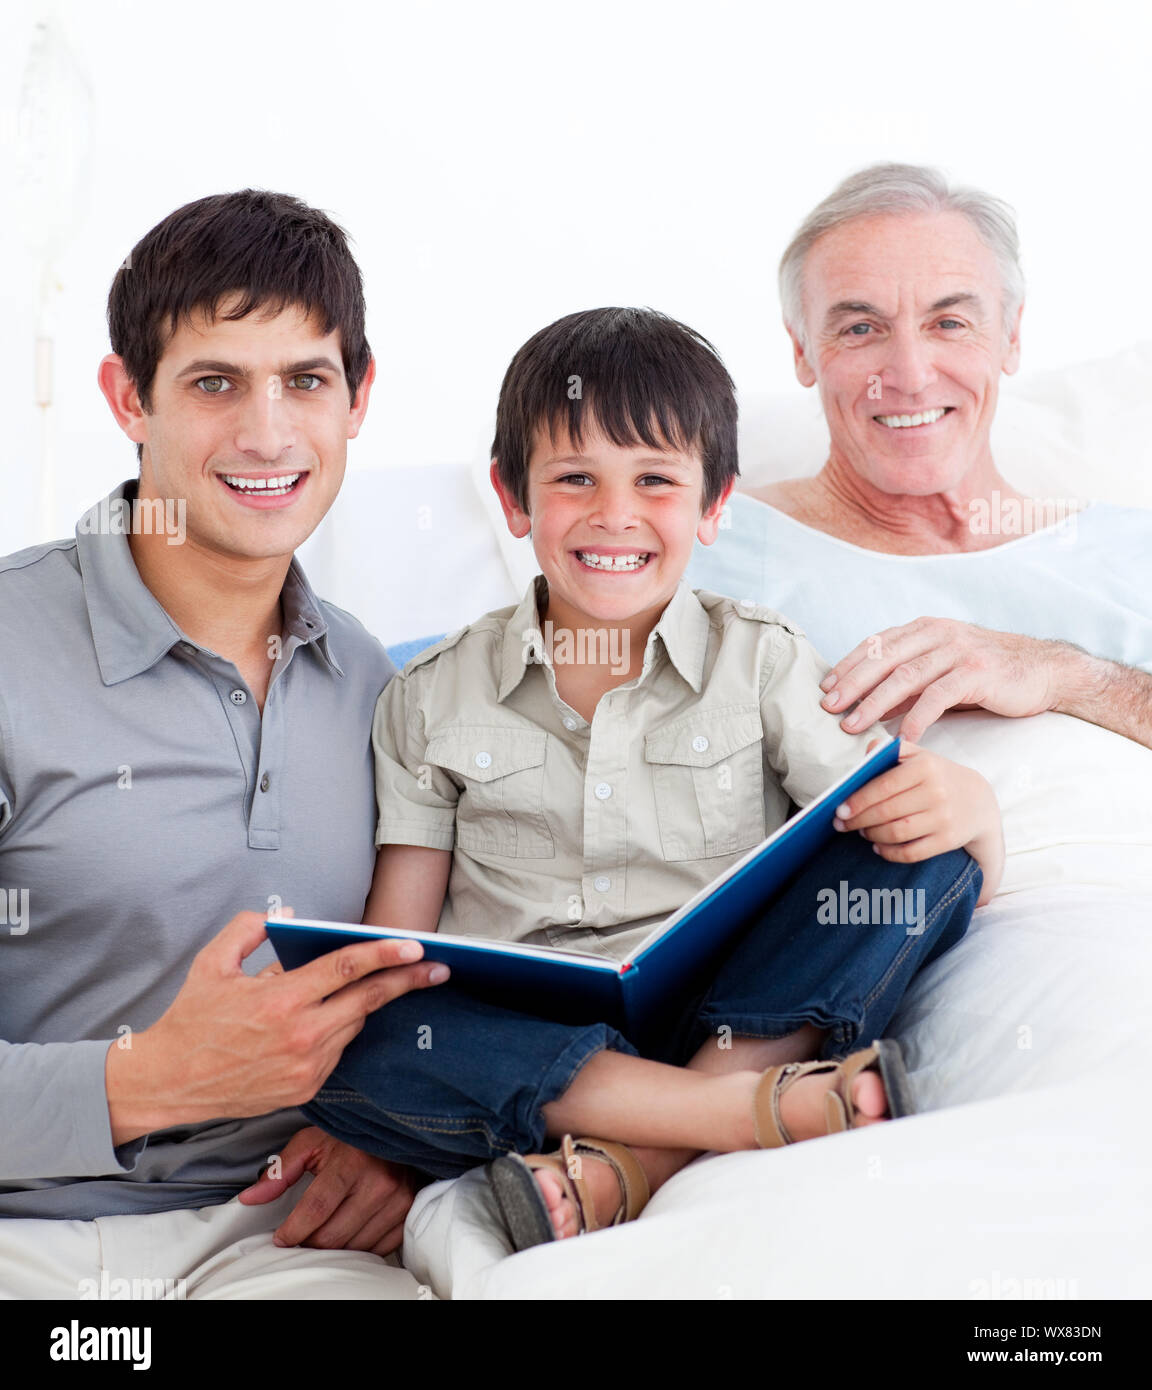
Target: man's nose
column 908, row 369
column 265, row 427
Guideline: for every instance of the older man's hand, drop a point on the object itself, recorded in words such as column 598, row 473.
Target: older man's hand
column 935, row 664
column 355, row 1201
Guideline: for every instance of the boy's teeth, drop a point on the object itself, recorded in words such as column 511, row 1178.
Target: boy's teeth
column 902, row 422
column 613, row 562
column 270, row 487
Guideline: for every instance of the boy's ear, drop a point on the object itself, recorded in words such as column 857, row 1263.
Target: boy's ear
column 710, row 520
column 519, row 522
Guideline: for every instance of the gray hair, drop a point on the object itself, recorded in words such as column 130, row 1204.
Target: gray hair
column 903, row 188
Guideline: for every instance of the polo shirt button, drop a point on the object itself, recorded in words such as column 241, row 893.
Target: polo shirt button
column 483, row 759
column 238, row 697
column 265, row 782
column 571, row 724
column 602, row 883
column 699, row 744
column 603, row 791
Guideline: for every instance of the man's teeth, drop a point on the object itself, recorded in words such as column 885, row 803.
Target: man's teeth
column 902, row 422
column 270, row 487
column 613, row 562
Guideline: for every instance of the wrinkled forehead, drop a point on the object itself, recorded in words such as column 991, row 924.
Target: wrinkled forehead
column 898, row 262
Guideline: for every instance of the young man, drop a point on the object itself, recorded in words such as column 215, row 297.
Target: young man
column 574, row 804
column 175, row 709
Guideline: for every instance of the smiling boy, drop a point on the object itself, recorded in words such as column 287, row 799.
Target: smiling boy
column 528, row 798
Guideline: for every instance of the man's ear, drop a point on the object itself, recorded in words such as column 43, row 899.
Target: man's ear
column 1011, row 361
column 519, row 522
column 359, row 407
column 710, row 521
column 119, row 390
column 804, row 373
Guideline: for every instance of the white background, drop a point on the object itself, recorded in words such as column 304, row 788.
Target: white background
column 503, row 163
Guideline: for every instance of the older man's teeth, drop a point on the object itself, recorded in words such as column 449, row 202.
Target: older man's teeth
column 903, row 422
column 613, row 562
column 266, row 487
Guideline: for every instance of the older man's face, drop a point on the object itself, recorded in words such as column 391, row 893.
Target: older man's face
column 906, row 339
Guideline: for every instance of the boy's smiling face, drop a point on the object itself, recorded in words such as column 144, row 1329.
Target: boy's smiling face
column 613, row 526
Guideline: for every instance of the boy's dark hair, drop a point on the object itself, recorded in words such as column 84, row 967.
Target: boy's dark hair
column 271, row 249
column 639, row 375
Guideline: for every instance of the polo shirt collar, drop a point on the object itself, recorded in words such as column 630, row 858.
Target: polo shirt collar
column 682, row 627
column 130, row 629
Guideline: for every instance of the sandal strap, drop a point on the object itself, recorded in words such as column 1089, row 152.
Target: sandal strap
column 770, row 1130
column 635, row 1192
column 839, row 1108
column 566, row 1164
column 633, row 1181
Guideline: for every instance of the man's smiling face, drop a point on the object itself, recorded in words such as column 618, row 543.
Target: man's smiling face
column 906, row 340
column 250, row 424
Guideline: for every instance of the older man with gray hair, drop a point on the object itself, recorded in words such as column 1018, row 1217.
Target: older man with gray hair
column 903, row 298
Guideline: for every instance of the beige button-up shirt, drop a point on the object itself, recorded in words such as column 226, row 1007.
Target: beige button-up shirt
column 584, row 835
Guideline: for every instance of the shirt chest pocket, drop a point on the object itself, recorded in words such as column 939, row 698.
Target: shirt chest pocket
column 500, row 775
column 708, row 776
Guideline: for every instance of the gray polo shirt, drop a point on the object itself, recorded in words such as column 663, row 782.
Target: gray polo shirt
column 144, row 801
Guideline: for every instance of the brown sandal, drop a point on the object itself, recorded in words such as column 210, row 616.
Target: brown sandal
column 883, row 1056
column 522, row 1204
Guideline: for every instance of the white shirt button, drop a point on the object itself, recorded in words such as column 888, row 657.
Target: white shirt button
column 747, row 603
column 483, row 759
column 238, row 697
column 602, row 791
column 571, row 724
column 699, row 744
column 602, row 883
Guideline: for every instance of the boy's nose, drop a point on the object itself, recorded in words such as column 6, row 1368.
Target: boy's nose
column 615, row 510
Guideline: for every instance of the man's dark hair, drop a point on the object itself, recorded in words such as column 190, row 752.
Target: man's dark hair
column 639, row 375
column 271, row 249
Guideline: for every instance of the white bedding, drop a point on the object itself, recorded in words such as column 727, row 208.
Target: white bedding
column 1024, row 1175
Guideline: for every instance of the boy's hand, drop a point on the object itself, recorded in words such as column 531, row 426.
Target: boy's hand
column 926, row 806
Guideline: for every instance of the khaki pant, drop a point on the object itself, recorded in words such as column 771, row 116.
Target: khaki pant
column 218, row 1252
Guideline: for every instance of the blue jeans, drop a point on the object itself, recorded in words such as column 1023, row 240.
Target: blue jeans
column 442, row 1082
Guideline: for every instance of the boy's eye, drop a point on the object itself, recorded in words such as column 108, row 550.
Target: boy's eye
column 579, row 479
column 214, row 385
column 316, row 381
column 651, row 479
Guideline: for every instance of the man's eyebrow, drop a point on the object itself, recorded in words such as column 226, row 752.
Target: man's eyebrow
column 210, row 366
column 950, row 301
column 861, row 306
column 851, row 306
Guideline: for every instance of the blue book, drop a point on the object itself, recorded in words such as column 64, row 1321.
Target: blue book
column 677, row 957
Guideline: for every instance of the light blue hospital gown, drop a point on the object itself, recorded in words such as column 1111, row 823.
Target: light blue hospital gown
column 1086, row 581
